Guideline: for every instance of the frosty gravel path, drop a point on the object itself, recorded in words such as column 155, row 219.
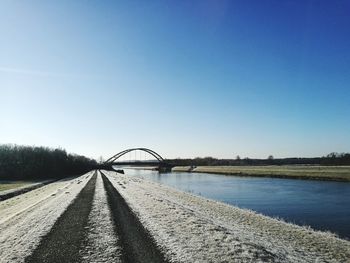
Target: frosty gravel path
column 137, row 244
column 65, row 239
column 26, row 218
column 195, row 229
column 76, row 220
column 101, row 244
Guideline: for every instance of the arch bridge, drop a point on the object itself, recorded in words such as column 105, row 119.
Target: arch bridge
column 158, row 161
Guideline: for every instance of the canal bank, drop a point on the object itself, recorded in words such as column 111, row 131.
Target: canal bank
column 312, row 172
column 189, row 228
column 323, row 205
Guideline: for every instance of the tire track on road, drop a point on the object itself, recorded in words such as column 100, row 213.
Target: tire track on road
column 101, row 244
column 64, row 241
column 136, row 243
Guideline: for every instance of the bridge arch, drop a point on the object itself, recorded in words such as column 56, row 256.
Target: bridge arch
column 120, row 154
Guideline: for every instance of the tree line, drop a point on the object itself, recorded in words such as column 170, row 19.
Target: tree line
column 330, row 159
column 29, row 162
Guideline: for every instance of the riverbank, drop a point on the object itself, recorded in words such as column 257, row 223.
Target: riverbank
column 329, row 173
column 189, row 228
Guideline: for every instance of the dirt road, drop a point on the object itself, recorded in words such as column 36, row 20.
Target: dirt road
column 71, row 238
column 106, row 217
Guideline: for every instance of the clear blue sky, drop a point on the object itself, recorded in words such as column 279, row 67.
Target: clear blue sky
column 185, row 78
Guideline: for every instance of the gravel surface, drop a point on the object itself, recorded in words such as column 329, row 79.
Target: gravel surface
column 195, row 229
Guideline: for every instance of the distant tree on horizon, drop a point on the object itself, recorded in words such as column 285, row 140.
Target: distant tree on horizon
column 31, row 162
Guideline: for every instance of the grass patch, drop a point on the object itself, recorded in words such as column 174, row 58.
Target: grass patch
column 332, row 173
column 7, row 185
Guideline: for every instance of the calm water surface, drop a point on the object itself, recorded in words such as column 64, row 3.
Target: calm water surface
column 320, row 204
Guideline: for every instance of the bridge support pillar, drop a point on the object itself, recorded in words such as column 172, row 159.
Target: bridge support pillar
column 164, row 169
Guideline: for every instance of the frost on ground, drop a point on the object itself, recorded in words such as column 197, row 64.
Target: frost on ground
column 26, row 218
column 195, row 229
column 22, row 189
column 101, row 244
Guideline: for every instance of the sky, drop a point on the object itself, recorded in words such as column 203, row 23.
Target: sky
column 184, row 78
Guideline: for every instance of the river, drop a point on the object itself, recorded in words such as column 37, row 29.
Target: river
column 323, row 205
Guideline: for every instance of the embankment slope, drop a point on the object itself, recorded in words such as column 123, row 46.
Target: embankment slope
column 195, row 229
